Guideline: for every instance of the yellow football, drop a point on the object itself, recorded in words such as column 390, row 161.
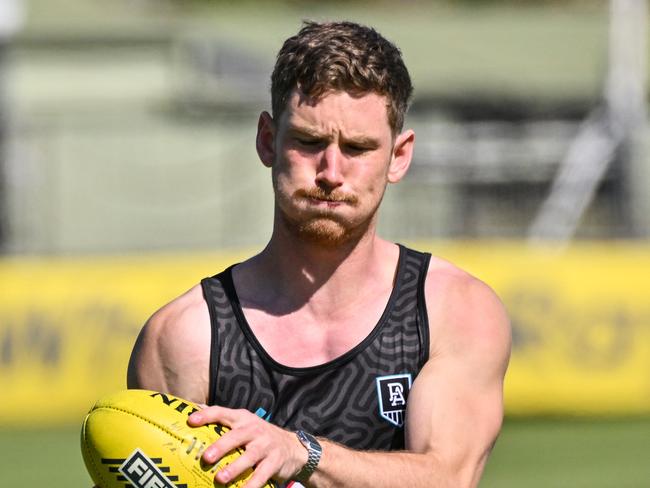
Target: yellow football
column 140, row 439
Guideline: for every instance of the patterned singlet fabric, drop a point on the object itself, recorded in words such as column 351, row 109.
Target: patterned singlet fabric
column 358, row 399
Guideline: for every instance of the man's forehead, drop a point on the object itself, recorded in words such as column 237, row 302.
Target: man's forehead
column 300, row 98
column 362, row 111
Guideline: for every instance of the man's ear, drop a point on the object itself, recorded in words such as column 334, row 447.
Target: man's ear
column 265, row 141
column 401, row 157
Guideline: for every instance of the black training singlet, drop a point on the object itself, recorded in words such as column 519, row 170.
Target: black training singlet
column 357, row 399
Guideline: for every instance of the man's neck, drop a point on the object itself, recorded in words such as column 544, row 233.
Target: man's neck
column 291, row 274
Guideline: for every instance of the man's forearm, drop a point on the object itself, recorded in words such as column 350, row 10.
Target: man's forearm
column 341, row 467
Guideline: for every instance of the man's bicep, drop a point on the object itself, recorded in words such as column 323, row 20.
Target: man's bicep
column 455, row 408
column 454, row 421
column 446, row 410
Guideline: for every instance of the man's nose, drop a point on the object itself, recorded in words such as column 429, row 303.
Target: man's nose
column 330, row 168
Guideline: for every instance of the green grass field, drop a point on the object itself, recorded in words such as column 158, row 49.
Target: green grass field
column 571, row 453
column 529, row 454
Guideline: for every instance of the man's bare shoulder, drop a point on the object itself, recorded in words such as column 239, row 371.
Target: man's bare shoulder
column 464, row 311
column 172, row 353
column 462, row 382
column 181, row 314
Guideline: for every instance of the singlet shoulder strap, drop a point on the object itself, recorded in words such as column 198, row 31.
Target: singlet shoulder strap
column 218, row 293
column 418, row 263
column 222, row 301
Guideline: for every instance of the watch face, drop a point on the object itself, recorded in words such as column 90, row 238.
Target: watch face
column 308, row 440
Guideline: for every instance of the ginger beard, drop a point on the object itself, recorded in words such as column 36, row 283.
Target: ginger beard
column 322, row 224
column 330, row 160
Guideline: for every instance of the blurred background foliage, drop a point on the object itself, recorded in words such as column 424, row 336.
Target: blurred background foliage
column 501, row 91
column 127, row 150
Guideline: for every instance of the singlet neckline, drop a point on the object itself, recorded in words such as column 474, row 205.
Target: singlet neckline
column 229, row 287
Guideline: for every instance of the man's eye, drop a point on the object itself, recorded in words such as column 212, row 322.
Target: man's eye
column 308, row 142
column 355, row 149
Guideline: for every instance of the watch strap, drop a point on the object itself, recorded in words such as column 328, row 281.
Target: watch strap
column 314, row 452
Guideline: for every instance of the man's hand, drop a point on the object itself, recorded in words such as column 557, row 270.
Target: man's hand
column 273, row 452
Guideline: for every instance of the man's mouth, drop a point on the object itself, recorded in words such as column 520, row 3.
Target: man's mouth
column 330, row 203
column 320, row 197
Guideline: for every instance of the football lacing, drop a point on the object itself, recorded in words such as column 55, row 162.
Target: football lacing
column 199, row 451
column 200, row 448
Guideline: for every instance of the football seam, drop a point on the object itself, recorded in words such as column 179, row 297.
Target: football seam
column 149, row 421
column 89, row 453
column 128, row 412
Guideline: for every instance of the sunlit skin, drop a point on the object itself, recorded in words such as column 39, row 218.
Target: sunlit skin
column 316, row 291
column 331, row 162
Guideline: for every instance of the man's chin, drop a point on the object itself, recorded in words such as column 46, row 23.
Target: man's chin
column 325, row 232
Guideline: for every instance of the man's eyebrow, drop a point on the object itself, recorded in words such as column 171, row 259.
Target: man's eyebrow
column 362, row 140
column 305, row 131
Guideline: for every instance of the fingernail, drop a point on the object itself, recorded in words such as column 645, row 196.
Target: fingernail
column 195, row 418
column 223, row 476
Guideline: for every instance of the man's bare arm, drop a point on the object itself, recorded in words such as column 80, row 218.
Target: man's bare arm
column 172, row 352
column 454, row 412
column 455, row 408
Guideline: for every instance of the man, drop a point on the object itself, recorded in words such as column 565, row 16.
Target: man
column 388, row 363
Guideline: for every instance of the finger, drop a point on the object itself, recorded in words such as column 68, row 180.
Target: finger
column 235, row 468
column 211, row 415
column 228, row 442
column 263, row 472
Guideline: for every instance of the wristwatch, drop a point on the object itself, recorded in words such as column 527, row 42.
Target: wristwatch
column 314, row 451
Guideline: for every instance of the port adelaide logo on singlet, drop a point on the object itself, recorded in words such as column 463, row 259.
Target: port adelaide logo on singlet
column 393, row 391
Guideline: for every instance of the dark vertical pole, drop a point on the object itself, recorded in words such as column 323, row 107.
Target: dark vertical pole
column 11, row 19
column 4, row 116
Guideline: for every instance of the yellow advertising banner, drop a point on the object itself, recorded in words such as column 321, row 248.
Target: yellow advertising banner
column 580, row 318
column 67, row 327
column 580, row 322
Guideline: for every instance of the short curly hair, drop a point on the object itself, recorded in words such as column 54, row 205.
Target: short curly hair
column 341, row 56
